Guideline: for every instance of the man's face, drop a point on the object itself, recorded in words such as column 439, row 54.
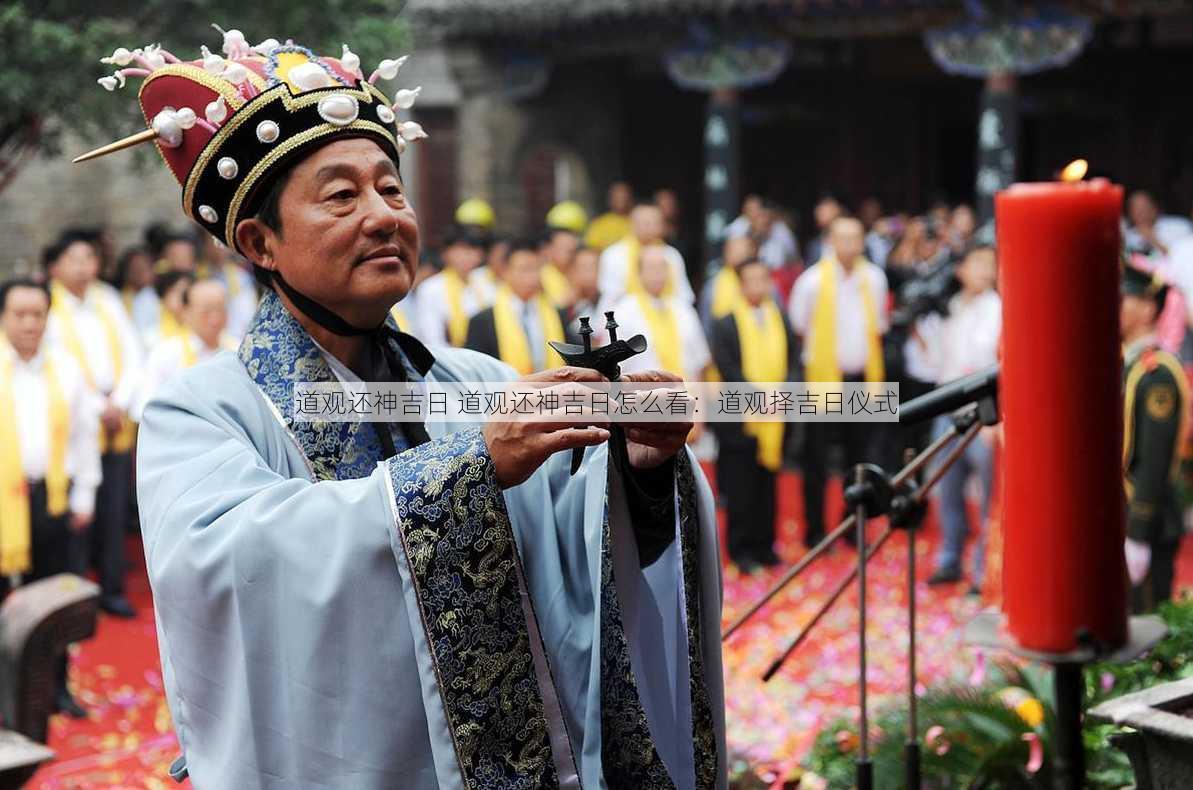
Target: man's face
column 668, row 203
column 24, row 318
column 523, row 275
column 496, row 257
column 762, row 221
column 561, row 247
column 349, row 238
column 173, row 298
column 77, row 267
column 585, row 272
column 463, row 257
column 755, row 284
column 963, row 222
column 977, row 272
column 207, row 311
column 1142, row 210
column 179, row 255
column 826, row 213
column 739, row 249
column 847, row 239
column 653, row 270
column 1136, row 315
column 647, row 222
column 139, row 273
column 621, row 198
column 869, row 212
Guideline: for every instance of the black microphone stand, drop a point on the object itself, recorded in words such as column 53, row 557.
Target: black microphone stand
column 873, row 494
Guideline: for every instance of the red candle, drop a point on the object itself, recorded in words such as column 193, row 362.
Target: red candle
column 1064, row 572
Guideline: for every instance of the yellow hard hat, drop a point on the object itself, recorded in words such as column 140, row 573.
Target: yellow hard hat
column 475, row 211
column 568, row 215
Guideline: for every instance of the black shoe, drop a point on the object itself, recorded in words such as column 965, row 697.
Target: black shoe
column 945, row 576
column 118, row 606
column 65, row 703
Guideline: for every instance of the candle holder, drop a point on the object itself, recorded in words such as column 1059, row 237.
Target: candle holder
column 989, row 630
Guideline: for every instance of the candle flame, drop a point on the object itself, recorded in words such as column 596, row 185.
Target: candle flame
column 1074, row 171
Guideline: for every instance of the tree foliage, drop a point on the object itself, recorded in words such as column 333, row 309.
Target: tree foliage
column 50, row 51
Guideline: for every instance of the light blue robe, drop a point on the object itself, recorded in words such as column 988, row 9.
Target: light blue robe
column 330, row 619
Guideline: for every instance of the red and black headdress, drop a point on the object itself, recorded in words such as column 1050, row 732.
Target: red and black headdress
column 225, row 124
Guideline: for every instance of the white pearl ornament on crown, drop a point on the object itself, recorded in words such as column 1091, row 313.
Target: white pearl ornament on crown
column 268, row 131
column 227, row 167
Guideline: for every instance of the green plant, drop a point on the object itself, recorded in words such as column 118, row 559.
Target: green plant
column 1001, row 733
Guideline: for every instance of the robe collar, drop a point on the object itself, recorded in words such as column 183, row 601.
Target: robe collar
column 278, row 353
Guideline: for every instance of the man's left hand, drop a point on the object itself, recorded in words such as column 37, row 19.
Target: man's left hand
column 651, row 444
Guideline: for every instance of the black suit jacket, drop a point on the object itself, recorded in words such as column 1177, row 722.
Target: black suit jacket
column 482, row 332
column 725, row 345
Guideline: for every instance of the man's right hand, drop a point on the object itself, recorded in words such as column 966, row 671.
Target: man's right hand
column 522, row 444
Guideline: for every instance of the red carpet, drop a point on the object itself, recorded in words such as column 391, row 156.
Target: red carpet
column 127, row 742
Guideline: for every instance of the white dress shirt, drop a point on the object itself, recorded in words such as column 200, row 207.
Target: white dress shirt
column 615, row 264
column 166, row 360
column 968, row 337
column 32, row 405
column 693, row 345
column 93, row 336
column 852, row 344
column 434, row 311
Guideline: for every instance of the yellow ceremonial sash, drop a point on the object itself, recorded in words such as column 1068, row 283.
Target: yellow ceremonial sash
column 457, row 323
column 555, row 285
column 822, row 359
column 633, row 280
column 124, row 439
column 726, row 292
column 400, row 317
column 763, row 359
column 663, row 325
column 512, row 345
column 168, row 326
column 15, row 518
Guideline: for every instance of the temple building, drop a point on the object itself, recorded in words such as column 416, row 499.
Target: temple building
column 907, row 101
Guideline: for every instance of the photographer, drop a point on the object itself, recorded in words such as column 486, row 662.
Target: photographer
column 921, row 275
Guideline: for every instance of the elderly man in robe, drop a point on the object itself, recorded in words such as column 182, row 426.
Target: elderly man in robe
column 379, row 605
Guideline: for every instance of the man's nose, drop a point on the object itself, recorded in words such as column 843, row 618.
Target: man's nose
column 381, row 219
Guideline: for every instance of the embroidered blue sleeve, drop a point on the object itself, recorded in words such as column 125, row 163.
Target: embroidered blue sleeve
column 459, row 545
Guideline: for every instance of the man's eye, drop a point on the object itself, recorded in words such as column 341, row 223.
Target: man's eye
column 393, row 189
column 343, row 194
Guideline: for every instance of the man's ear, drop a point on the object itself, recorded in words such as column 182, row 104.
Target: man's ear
column 256, row 240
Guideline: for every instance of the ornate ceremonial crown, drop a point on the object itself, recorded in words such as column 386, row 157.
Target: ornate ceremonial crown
column 225, row 124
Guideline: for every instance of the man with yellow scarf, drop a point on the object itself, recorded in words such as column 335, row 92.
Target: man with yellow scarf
column 752, row 343
column 88, row 321
column 839, row 309
column 49, row 452
column 621, row 264
column 448, row 299
column 517, row 328
column 203, row 335
column 676, row 339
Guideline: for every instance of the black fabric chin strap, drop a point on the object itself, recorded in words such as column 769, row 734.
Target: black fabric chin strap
column 320, row 314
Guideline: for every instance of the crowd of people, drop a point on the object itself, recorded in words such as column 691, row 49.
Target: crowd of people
column 869, row 296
